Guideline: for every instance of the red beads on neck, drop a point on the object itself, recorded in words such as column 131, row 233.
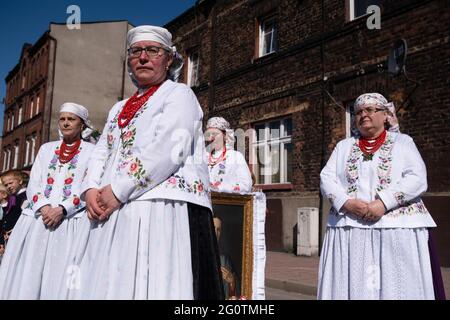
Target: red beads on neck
column 213, row 161
column 66, row 153
column 133, row 105
column 370, row 146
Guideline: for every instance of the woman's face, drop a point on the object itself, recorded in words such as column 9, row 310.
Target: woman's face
column 70, row 125
column 215, row 139
column 146, row 68
column 370, row 120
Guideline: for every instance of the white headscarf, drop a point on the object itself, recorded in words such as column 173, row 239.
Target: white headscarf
column 162, row 36
column 81, row 112
column 223, row 125
column 381, row 102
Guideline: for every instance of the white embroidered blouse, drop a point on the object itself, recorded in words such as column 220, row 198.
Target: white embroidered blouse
column 52, row 183
column 396, row 175
column 231, row 174
column 159, row 154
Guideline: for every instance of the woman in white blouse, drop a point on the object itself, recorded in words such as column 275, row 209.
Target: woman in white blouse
column 376, row 244
column 228, row 169
column 41, row 248
column 147, row 188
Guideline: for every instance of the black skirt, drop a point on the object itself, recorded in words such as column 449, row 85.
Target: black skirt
column 205, row 255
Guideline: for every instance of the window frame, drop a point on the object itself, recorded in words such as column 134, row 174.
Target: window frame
column 190, row 68
column 267, row 143
column 261, row 34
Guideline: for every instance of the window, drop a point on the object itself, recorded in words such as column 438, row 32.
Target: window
column 272, row 152
column 12, row 120
column 358, row 8
column 27, row 151
column 31, row 107
column 38, row 102
column 19, row 121
column 268, row 36
column 350, row 128
column 16, row 155
column 33, row 148
column 24, row 80
column 8, row 157
column 193, row 64
column 5, row 155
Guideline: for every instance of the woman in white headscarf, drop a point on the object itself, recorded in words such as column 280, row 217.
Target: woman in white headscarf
column 147, row 188
column 228, row 169
column 39, row 251
column 376, row 243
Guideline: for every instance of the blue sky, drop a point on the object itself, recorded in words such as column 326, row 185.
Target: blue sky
column 25, row 21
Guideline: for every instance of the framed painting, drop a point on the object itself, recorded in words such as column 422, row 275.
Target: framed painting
column 233, row 222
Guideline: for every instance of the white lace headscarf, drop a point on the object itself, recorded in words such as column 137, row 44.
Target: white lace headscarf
column 223, row 125
column 162, row 36
column 381, row 102
column 81, row 112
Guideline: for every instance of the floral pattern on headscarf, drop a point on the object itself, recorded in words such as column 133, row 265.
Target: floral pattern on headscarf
column 381, row 102
column 223, row 125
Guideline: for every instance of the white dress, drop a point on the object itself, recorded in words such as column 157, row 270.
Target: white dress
column 156, row 165
column 230, row 174
column 389, row 258
column 37, row 261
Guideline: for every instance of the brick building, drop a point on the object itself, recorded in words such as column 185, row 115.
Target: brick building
column 296, row 66
column 86, row 66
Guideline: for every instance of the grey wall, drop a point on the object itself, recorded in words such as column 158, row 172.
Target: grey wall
column 89, row 69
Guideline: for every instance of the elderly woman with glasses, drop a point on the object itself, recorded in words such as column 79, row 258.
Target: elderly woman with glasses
column 147, row 188
column 41, row 247
column 228, row 169
column 376, row 243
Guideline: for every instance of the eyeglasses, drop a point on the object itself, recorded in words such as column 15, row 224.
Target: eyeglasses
column 369, row 111
column 151, row 51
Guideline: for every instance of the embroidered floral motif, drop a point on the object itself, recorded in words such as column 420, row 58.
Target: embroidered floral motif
column 50, row 173
column 135, row 170
column 409, row 209
column 128, row 137
column 178, row 182
column 67, row 188
column 384, row 170
column 38, row 196
column 351, row 170
column 127, row 161
column 385, row 163
column 217, row 179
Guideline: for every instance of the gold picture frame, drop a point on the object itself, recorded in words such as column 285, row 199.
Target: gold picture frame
column 236, row 214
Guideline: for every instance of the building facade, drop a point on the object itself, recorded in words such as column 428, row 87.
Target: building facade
column 85, row 66
column 291, row 70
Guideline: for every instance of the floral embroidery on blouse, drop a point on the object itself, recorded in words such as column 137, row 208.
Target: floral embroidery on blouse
column 50, row 173
column 38, row 196
column 351, row 170
column 384, row 170
column 178, row 182
column 127, row 161
column 409, row 209
column 385, row 163
column 67, row 188
column 217, row 180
